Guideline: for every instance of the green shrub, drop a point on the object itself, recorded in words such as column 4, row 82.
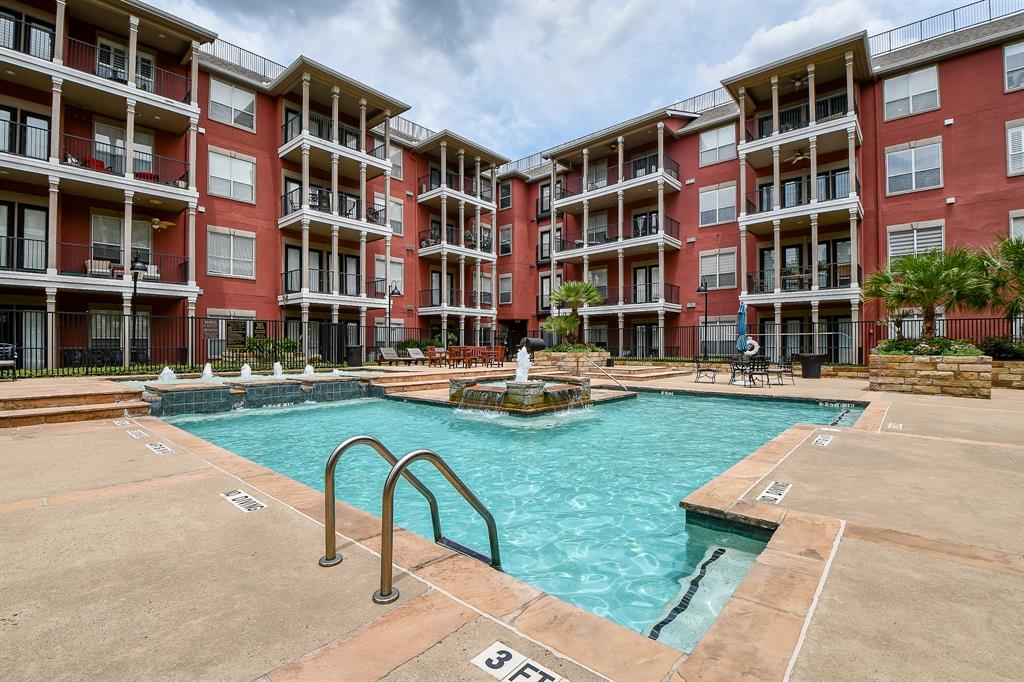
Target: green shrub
column 573, row 348
column 422, row 344
column 1002, row 348
column 268, row 348
column 936, row 346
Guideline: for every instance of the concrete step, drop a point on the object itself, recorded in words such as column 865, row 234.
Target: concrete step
column 71, row 413
column 69, row 398
column 439, row 376
column 649, row 375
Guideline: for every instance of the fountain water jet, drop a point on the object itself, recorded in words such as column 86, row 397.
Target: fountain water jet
column 207, row 371
column 308, row 369
column 278, row 370
column 167, row 374
column 245, row 372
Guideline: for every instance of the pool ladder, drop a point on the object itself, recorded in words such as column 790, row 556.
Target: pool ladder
column 399, row 469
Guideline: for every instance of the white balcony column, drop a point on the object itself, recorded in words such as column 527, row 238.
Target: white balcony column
column 387, row 199
column 126, row 328
column 444, row 219
column 462, row 170
column 304, row 199
column 133, row 49
column 334, row 314
column 58, row 32
column 387, row 267
column 462, row 281
column 444, row 279
column 190, row 228
column 851, row 92
column 812, row 142
column 854, row 249
column 775, row 105
column 855, row 335
column 460, row 236
column 304, row 316
column 335, row 117
column 305, row 103
column 815, row 339
column 661, row 332
column 362, row 263
column 193, row 83
column 554, row 265
column 444, row 165
column 777, row 255
column 494, row 214
column 551, row 196
column 742, row 130
column 190, row 331
column 586, row 170
column 479, row 188
column 362, row 125
column 480, row 231
column 193, row 132
column 51, row 327
column 304, row 263
column 622, row 331
column 55, row 128
column 444, row 330
column 129, row 139
column 661, row 272
column 776, row 179
column 743, row 260
column 462, row 330
column 621, row 207
column 661, row 207
column 777, row 333
column 743, row 184
column 494, row 288
column 622, row 275
column 586, row 222
column 126, row 234
column 586, row 268
column 661, row 146
column 362, row 331
column 811, row 97
column 620, row 143
column 335, row 270
column 387, row 135
column 335, row 208
column 586, row 325
column 364, row 200
column 814, row 252
column 479, row 279
column 51, row 226
column 851, row 150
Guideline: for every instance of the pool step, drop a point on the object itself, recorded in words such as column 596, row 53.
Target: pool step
column 638, row 373
column 69, row 397
column 71, row 413
column 462, row 549
column 439, row 376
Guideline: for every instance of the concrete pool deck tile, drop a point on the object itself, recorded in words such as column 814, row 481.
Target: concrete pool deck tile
column 763, row 515
column 597, row 643
column 410, row 551
column 779, row 588
column 805, row 535
column 377, row 648
column 748, row 641
column 790, row 562
column 873, row 415
column 480, row 586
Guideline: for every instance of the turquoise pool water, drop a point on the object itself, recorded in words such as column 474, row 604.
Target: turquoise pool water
column 586, row 501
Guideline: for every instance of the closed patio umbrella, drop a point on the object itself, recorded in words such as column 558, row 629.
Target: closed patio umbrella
column 741, row 328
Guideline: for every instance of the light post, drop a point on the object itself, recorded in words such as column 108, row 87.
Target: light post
column 393, row 290
column 138, row 269
column 703, row 289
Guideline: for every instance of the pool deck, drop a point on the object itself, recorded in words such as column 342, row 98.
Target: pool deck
column 897, row 555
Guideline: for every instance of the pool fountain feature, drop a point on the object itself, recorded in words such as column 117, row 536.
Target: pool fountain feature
column 308, row 369
column 207, row 372
column 533, row 396
column 246, row 372
column 278, row 370
column 167, row 375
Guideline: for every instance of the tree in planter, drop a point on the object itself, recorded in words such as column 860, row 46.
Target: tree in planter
column 562, row 326
column 952, row 280
column 574, row 295
column 1005, row 267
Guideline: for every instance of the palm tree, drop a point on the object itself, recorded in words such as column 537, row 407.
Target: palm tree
column 562, row 326
column 953, row 279
column 1005, row 266
column 575, row 295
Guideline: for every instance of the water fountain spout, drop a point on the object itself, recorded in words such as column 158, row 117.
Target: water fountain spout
column 207, row 371
column 278, row 370
column 167, row 374
column 523, row 364
column 308, row 369
column 246, row 371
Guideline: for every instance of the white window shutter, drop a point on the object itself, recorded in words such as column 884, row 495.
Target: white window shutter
column 1015, row 149
column 929, row 239
column 901, row 243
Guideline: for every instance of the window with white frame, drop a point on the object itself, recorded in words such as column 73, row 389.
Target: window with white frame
column 1013, row 56
column 504, row 289
column 718, row 268
column 397, row 216
column 230, row 253
column 1015, row 147
column 915, row 238
column 231, row 176
column 486, row 299
column 232, row 105
column 718, row 145
column 505, row 195
column 911, row 93
column 396, row 161
column 1017, row 224
column 505, row 240
column 108, row 237
column 717, row 204
column 913, row 166
column 396, row 274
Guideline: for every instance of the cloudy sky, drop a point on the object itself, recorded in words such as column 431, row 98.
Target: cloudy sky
column 522, row 76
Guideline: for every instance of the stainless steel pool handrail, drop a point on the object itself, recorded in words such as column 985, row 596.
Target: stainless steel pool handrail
column 387, row 592
column 604, row 372
column 331, row 556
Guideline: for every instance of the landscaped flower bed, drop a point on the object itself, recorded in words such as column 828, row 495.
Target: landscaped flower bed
column 933, row 367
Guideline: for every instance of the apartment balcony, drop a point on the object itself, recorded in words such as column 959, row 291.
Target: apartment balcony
column 103, row 261
column 430, row 302
column 834, row 281
column 322, row 216
column 637, row 179
column 635, row 298
column 112, row 66
column 22, row 255
column 320, row 139
column 457, row 242
column 321, row 289
column 637, row 236
column 430, row 190
column 831, row 127
column 836, row 197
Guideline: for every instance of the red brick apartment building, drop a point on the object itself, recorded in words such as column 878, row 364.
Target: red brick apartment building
column 166, row 196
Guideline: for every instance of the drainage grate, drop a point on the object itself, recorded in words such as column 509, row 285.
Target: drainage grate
column 243, row 501
column 822, row 441
column 774, row 493
column 137, row 433
column 122, row 422
column 159, row 448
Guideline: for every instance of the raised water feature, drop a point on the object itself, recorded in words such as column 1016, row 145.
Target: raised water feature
column 278, row 370
column 167, row 375
column 245, row 372
column 207, row 372
column 308, row 369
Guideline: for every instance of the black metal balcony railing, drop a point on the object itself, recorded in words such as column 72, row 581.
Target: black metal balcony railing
column 319, row 200
column 432, row 297
column 112, row 64
column 482, row 299
column 348, row 206
column 640, row 226
column 28, row 37
column 797, row 116
column 595, row 180
column 110, row 158
column 831, row 186
column 319, row 281
column 24, row 140
column 163, row 82
column 106, row 261
column 348, row 136
column 429, row 182
column 162, row 170
column 162, row 267
column 648, row 293
column 22, row 254
column 801, row 278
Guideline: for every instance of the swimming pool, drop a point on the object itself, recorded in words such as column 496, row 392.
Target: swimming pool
column 586, row 501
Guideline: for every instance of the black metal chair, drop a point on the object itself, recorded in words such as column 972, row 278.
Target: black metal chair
column 782, row 369
column 758, row 371
column 9, row 360
column 706, row 371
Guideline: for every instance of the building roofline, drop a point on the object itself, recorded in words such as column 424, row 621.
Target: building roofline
column 492, row 157
column 303, row 63
column 187, row 28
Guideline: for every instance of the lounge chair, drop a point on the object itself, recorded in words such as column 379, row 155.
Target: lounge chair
column 390, row 356
column 416, row 355
column 8, row 360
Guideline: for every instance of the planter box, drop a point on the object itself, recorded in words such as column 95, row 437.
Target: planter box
column 1008, row 374
column 575, row 362
column 967, row 377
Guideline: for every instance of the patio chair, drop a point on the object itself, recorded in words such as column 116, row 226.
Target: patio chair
column 706, row 371
column 759, row 372
column 455, row 355
column 782, row 369
column 390, row 356
column 95, row 267
column 435, row 356
column 416, row 355
column 8, row 360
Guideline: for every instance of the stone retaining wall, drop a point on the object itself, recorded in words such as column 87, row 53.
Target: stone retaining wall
column 574, row 362
column 1008, row 374
column 844, row 371
column 968, row 377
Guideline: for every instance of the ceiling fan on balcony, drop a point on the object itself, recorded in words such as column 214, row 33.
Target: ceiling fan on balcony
column 799, row 81
column 800, row 155
column 161, row 224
